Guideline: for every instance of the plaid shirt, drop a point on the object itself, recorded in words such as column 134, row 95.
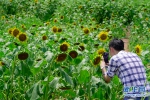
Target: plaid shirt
column 129, row 68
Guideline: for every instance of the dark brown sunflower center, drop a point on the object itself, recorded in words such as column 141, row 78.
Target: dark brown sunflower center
column 62, row 17
column 63, row 47
column 86, row 31
column 15, row 32
column 22, row 37
column 59, row 30
column 61, row 57
column 44, row 38
column 137, row 50
column 103, row 36
column 23, row 56
column 54, row 29
column 2, row 63
column 96, row 61
column 73, row 54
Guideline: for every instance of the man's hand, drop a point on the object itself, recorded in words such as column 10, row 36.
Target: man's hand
column 102, row 63
column 102, row 66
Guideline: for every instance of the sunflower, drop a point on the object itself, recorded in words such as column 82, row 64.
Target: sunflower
column 64, row 46
column 2, row 17
column 96, row 60
column 138, row 49
column 82, row 27
column 23, row 56
column 80, row 7
column 2, row 63
column 76, row 43
column 15, row 32
column 73, row 54
column 81, row 47
column 47, row 23
column 98, row 26
column 54, row 29
column 35, row 1
column 61, row 17
column 59, row 29
column 96, row 45
column 23, row 26
column 86, row 30
column 103, row 36
column 10, row 30
column 146, row 18
column 61, row 57
column 74, row 23
column 101, row 51
column 93, row 19
column 80, row 20
column 44, row 37
column 55, row 20
column 22, row 37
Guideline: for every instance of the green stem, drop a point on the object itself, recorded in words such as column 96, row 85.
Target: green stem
column 46, row 90
column 89, row 84
column 12, row 79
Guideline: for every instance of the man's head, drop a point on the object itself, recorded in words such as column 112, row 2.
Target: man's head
column 115, row 46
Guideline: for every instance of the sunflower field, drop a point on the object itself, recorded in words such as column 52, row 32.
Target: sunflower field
column 51, row 49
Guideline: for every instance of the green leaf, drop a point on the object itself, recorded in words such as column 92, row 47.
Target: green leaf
column 1, row 54
column 11, row 46
column 1, row 96
column 81, row 92
column 83, row 77
column 116, row 80
column 144, row 52
column 23, row 69
column 77, row 61
column 48, row 55
column 66, row 76
column 46, row 80
column 99, row 94
column 114, row 95
column 37, row 67
column 34, row 92
column 71, row 94
column 54, row 82
column 95, row 80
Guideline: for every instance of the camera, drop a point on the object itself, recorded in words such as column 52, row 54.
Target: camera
column 106, row 57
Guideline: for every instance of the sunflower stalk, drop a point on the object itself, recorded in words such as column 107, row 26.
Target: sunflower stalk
column 12, row 78
column 46, row 89
column 89, row 84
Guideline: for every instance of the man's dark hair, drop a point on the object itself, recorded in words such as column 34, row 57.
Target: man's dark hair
column 117, row 44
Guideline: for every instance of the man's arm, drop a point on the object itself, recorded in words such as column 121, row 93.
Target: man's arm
column 107, row 79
